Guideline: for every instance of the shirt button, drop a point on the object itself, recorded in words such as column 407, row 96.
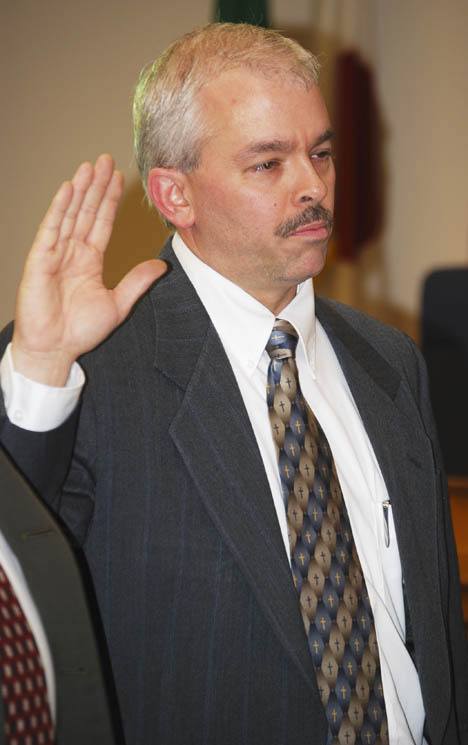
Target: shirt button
column 250, row 364
column 17, row 416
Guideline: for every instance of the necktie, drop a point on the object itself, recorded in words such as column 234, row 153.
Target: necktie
column 27, row 714
column 327, row 573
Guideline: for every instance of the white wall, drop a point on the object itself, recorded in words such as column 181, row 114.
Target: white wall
column 423, row 74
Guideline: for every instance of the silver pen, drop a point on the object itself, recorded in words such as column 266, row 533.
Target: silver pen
column 385, row 508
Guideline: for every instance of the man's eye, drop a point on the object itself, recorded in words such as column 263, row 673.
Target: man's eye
column 268, row 165
column 322, row 155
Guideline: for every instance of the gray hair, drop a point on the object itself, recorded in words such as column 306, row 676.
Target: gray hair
column 169, row 131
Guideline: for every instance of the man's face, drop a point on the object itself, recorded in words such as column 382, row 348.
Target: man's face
column 263, row 193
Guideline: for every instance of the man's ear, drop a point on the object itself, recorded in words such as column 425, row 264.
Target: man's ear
column 167, row 189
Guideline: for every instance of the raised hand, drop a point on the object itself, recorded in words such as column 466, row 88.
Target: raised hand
column 63, row 308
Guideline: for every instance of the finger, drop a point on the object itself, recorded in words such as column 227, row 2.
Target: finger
column 100, row 233
column 49, row 229
column 135, row 283
column 93, row 197
column 81, row 182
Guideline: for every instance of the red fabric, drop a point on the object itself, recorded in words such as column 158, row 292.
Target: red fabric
column 28, row 719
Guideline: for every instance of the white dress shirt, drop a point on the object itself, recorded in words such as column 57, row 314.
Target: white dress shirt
column 244, row 326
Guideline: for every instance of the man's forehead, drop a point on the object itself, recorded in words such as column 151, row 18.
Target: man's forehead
column 260, row 112
column 241, row 92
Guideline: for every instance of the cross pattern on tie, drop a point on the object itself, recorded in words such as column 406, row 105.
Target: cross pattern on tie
column 27, row 716
column 327, row 573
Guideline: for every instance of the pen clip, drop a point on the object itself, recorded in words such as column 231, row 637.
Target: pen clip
column 385, row 507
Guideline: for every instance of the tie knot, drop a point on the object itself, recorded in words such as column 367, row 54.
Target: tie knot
column 283, row 340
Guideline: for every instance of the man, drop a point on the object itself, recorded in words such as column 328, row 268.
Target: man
column 39, row 572
column 173, row 489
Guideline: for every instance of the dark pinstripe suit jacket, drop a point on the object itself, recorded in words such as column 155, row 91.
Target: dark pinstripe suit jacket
column 168, row 496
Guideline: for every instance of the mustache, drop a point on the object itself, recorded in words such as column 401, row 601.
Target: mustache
column 311, row 214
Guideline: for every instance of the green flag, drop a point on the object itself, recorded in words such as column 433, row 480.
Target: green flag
column 243, row 11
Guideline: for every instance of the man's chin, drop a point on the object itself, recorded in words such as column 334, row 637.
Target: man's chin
column 309, row 266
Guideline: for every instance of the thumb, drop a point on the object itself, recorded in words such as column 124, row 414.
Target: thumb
column 135, row 283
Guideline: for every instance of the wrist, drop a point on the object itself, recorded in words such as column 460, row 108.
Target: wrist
column 49, row 368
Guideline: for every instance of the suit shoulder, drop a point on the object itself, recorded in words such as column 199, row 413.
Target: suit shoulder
column 395, row 347
column 379, row 334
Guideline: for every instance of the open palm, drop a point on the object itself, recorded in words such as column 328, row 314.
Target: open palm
column 63, row 308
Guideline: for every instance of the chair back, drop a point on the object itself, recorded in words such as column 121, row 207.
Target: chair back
column 444, row 341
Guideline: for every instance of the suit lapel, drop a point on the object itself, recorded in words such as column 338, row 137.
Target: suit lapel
column 213, row 434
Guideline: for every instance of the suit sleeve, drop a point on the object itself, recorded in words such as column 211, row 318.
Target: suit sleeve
column 61, row 477
column 455, row 631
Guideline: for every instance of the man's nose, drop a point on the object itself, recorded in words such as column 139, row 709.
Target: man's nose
column 310, row 185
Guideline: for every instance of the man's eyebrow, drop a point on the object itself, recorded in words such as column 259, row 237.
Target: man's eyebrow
column 265, row 146
column 329, row 134
column 278, row 146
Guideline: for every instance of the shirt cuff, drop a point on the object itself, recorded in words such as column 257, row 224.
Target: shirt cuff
column 35, row 406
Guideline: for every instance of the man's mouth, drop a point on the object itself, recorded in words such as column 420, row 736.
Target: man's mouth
column 316, row 230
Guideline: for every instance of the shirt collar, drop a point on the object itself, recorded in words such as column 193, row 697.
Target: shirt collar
column 242, row 322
